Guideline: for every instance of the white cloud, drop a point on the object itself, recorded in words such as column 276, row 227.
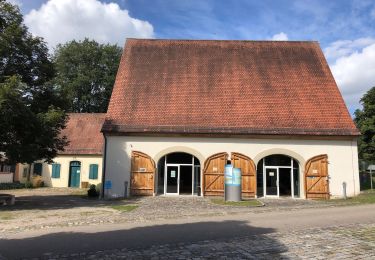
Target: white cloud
column 280, row 37
column 354, row 71
column 59, row 21
column 346, row 47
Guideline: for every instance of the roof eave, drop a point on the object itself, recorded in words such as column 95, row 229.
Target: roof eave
column 121, row 129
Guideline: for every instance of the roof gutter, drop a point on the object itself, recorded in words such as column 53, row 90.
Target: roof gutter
column 181, row 130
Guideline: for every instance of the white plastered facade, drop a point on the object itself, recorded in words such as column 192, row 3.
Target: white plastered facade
column 64, row 161
column 342, row 156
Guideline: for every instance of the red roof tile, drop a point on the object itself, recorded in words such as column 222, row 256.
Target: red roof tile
column 83, row 133
column 230, row 87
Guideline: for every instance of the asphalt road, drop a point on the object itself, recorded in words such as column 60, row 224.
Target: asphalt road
column 105, row 237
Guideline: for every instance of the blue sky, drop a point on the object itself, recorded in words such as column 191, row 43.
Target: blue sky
column 324, row 21
column 345, row 29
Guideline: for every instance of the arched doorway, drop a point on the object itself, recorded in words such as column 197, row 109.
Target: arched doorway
column 179, row 174
column 278, row 175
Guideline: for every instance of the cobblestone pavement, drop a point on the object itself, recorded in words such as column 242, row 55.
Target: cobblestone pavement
column 61, row 210
column 338, row 242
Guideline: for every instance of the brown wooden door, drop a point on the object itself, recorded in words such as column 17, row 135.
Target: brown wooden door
column 213, row 175
column 248, row 171
column 142, row 174
column 316, row 177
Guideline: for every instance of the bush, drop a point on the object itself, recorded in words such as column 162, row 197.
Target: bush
column 29, row 185
column 11, row 186
column 92, row 191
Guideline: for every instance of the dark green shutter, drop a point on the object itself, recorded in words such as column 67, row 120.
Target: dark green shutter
column 38, row 169
column 56, row 170
column 93, row 174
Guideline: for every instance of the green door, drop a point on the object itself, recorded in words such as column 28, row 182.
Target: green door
column 75, row 172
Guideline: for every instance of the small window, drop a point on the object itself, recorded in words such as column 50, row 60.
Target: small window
column 25, row 172
column 38, row 169
column 6, row 168
column 93, row 174
column 56, row 170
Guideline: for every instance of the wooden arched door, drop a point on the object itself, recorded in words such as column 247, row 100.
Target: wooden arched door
column 316, row 177
column 248, row 172
column 213, row 175
column 142, row 174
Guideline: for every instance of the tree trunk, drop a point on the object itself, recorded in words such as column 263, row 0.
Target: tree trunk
column 29, row 173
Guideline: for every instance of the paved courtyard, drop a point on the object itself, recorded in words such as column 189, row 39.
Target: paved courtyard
column 339, row 242
column 61, row 224
column 60, row 207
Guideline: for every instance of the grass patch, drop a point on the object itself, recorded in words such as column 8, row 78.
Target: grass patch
column 79, row 192
column 124, row 208
column 243, row 203
column 86, row 213
column 6, row 216
column 367, row 197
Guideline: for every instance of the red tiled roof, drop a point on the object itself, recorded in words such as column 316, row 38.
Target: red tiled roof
column 229, row 87
column 83, row 133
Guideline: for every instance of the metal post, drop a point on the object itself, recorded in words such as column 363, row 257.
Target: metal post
column 126, row 189
column 344, row 190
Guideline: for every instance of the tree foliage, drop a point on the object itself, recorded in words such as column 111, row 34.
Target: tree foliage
column 365, row 121
column 86, row 72
column 31, row 107
column 21, row 53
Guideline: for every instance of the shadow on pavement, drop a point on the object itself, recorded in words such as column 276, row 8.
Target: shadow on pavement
column 144, row 237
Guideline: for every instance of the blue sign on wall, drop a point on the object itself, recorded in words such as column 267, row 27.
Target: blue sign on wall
column 108, row 185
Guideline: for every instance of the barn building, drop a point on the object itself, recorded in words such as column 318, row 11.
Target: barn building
column 181, row 109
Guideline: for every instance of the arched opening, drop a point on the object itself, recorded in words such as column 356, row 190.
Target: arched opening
column 179, row 174
column 278, row 175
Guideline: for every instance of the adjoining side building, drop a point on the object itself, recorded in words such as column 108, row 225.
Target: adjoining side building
column 181, row 109
column 80, row 164
column 7, row 171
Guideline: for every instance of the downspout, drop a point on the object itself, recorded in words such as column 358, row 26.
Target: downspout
column 104, row 166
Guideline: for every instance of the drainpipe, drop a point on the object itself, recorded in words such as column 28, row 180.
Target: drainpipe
column 104, row 166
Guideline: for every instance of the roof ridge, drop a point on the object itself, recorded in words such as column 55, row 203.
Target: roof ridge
column 220, row 40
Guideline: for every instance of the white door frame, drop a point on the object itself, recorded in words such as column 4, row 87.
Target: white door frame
column 278, row 178
column 265, row 182
column 166, row 179
column 166, row 165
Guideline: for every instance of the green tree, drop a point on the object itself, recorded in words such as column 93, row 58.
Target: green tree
column 31, row 111
column 21, row 53
column 86, row 72
column 365, row 121
column 27, row 136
